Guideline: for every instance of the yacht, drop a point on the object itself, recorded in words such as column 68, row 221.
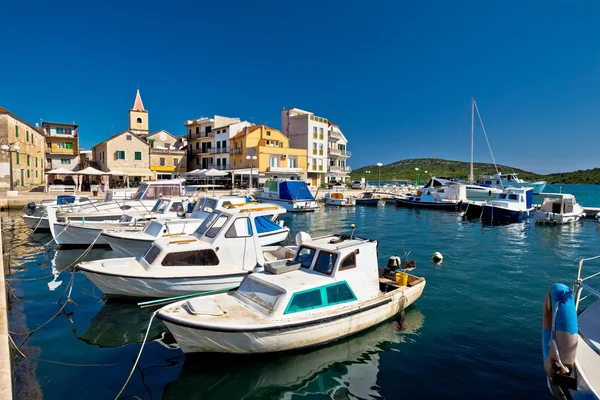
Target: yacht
column 571, row 337
column 293, row 195
column 509, row 180
column 222, row 251
column 330, row 289
column 558, row 208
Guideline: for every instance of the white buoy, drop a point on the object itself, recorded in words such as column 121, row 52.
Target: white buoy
column 437, row 257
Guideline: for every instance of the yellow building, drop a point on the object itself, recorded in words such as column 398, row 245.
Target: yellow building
column 62, row 147
column 274, row 156
column 28, row 160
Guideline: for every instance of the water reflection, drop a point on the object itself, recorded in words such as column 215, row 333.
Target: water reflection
column 346, row 369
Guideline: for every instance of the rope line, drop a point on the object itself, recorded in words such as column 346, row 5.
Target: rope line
column 138, row 356
column 54, row 362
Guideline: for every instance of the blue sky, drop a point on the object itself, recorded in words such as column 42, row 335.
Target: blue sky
column 396, row 76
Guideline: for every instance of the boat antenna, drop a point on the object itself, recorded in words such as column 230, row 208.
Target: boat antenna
column 487, row 140
column 471, row 175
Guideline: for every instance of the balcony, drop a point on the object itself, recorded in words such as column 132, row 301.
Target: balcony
column 201, row 135
column 61, row 151
column 335, row 135
column 200, row 151
column 220, row 150
column 283, row 170
column 235, row 151
column 339, row 153
column 221, row 167
column 166, row 151
column 339, row 170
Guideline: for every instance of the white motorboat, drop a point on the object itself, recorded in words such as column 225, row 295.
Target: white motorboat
column 35, row 215
column 83, row 233
column 514, row 204
column 127, row 243
column 223, row 250
column 330, row 290
column 338, row 199
column 511, row 180
column 453, row 196
column 143, row 200
column 293, row 195
column 473, row 192
column 558, row 208
column 571, row 337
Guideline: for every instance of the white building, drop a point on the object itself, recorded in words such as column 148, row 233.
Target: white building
column 312, row 133
column 208, row 141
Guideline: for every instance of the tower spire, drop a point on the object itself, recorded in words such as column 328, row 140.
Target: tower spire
column 137, row 104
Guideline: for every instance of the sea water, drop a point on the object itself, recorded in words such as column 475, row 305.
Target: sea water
column 474, row 333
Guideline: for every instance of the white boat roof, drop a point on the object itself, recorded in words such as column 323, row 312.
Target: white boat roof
column 556, row 195
column 164, row 182
column 295, row 281
column 262, row 208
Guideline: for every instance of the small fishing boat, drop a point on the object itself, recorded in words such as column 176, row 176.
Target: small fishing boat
column 338, row 199
column 78, row 233
column 473, row 192
column 331, row 289
column 367, row 199
column 558, row 208
column 511, row 180
column 571, row 338
column 514, row 204
column 293, row 195
column 35, row 215
column 222, row 251
column 430, row 198
column 128, row 243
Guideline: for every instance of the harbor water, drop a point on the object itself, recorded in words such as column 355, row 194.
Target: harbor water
column 474, row 333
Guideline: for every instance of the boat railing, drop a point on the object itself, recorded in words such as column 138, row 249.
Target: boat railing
column 581, row 284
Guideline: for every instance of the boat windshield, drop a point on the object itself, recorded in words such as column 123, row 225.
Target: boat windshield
column 211, row 225
column 160, row 206
column 151, row 254
column 151, row 192
column 140, row 192
column 265, row 296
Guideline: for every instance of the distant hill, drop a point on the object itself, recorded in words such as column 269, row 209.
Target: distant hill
column 405, row 170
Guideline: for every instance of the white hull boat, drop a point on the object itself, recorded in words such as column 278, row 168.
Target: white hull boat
column 218, row 255
column 558, row 208
column 508, row 180
column 319, row 297
column 338, row 199
column 36, row 222
column 293, row 195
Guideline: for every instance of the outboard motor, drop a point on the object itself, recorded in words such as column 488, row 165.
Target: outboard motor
column 31, row 205
column 394, row 263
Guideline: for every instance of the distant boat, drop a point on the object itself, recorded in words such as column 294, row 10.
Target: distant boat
column 293, row 195
column 368, row 199
column 338, row 199
column 507, row 180
column 430, row 198
column 558, row 208
column 512, row 205
column 473, row 192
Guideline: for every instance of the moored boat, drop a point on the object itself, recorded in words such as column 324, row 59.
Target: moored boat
column 338, row 199
column 571, row 338
column 331, row 289
column 511, row 180
column 430, row 198
column 368, row 199
column 293, row 195
column 514, row 204
column 222, row 251
column 558, row 208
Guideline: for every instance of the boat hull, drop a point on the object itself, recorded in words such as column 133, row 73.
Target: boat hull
column 544, row 217
column 38, row 223
column 143, row 287
column 338, row 202
column 367, row 202
column 502, row 215
column 67, row 235
column 430, row 205
column 294, row 336
column 293, row 206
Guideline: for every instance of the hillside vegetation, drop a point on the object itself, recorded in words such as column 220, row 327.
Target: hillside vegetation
column 405, row 170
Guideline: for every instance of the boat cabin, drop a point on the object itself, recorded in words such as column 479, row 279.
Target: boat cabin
column 327, row 272
column 206, row 205
column 151, row 190
column 282, row 189
column 521, row 195
column 500, row 179
column 218, row 240
column 557, row 203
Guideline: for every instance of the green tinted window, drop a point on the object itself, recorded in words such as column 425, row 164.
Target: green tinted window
column 303, row 301
column 339, row 293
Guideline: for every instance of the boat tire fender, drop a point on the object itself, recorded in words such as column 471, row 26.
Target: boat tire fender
column 559, row 331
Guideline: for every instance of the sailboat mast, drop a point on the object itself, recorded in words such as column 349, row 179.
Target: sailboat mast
column 471, row 177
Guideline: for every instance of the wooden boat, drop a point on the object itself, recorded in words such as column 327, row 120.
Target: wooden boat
column 329, row 290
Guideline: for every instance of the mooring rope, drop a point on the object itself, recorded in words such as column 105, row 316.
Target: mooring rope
column 54, row 237
column 54, row 362
column 38, row 223
column 137, row 359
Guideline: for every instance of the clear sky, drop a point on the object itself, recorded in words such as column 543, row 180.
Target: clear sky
column 397, row 76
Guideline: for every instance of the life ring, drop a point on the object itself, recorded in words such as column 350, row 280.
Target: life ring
column 559, row 331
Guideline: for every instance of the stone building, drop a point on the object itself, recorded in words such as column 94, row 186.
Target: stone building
column 125, row 152
column 167, row 155
column 28, row 162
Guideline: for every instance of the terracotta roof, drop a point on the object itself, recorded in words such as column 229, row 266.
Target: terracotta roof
column 4, row 111
column 119, row 134
column 138, row 105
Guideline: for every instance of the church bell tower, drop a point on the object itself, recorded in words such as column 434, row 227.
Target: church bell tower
column 138, row 117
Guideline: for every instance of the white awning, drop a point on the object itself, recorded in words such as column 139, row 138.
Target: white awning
column 215, row 172
column 133, row 172
column 61, row 171
column 89, row 171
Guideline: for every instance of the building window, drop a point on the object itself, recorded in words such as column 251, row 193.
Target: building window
column 119, row 155
column 28, row 173
column 268, row 133
column 314, row 129
column 139, row 120
column 28, row 160
column 197, row 130
column 65, row 161
column 36, row 162
column 321, row 131
column 60, row 145
column 128, row 137
column 69, row 146
column 17, row 156
column 27, row 136
column 162, row 161
column 36, row 174
column 175, row 162
column 138, row 155
column 16, row 130
column 197, row 160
